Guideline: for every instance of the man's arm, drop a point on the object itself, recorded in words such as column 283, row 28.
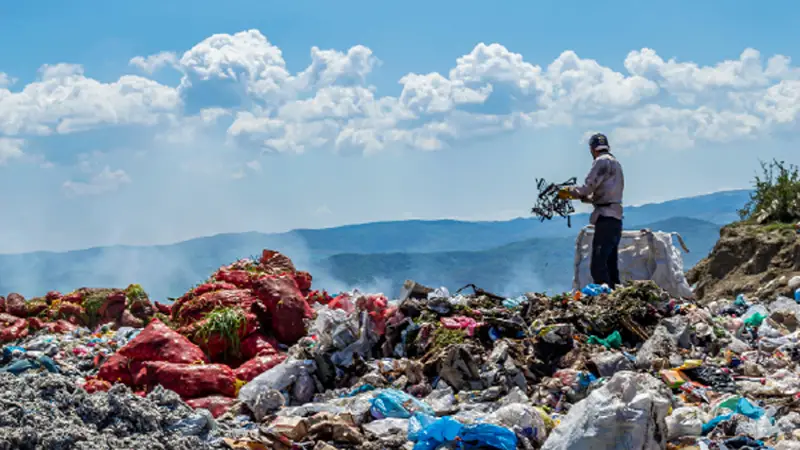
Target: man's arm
column 596, row 176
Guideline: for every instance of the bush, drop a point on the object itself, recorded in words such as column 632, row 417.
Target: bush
column 776, row 197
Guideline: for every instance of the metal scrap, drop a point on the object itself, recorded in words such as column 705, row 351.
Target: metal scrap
column 548, row 204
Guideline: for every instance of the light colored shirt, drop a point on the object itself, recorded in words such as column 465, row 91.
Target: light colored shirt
column 603, row 187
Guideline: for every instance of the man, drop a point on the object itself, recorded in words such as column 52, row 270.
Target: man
column 603, row 189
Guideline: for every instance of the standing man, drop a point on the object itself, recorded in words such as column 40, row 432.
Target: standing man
column 603, row 189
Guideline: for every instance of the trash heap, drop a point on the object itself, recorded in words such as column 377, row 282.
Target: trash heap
column 253, row 358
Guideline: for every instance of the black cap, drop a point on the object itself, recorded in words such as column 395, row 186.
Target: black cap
column 598, row 142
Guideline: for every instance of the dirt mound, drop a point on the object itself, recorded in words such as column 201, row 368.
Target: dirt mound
column 749, row 259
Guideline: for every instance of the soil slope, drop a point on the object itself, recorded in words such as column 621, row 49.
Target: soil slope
column 748, row 259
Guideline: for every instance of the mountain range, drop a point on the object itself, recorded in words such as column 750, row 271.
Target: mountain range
column 506, row 257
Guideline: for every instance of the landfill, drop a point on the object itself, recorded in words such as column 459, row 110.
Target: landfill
column 254, row 358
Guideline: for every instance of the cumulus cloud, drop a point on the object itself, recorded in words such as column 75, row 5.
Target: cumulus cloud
column 239, row 84
column 104, row 181
column 10, row 149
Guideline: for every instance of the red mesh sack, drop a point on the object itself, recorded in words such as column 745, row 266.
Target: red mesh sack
column 198, row 291
column 15, row 305
column 52, row 295
column 35, row 308
column 303, row 280
column 116, row 370
column 164, row 309
column 157, row 342
column 276, row 263
column 129, row 320
column 377, row 308
column 113, row 306
column 70, row 310
column 215, row 345
column 12, row 328
column 2, row 304
column 257, row 344
column 257, row 366
column 93, row 385
column 239, row 278
column 57, row 327
column 74, row 297
column 192, row 380
column 35, row 323
column 196, row 308
column 287, row 307
column 216, row 404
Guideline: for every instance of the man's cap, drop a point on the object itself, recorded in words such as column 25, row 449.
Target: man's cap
column 598, row 142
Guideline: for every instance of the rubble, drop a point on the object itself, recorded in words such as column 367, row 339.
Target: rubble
column 254, row 358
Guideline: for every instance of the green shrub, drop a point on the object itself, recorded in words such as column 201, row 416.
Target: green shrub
column 776, row 197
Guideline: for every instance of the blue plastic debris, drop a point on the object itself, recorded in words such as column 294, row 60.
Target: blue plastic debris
column 395, row 404
column 511, row 303
column 593, row 290
column 743, row 407
column 430, row 433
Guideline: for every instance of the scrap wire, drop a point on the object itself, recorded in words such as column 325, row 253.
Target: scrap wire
column 548, row 204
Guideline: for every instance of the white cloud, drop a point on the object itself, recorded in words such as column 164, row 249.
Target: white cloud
column 102, row 182
column 63, row 100
column 10, row 149
column 330, row 104
column 5, row 80
column 155, row 62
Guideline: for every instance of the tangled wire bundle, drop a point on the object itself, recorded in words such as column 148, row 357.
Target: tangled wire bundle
column 548, row 204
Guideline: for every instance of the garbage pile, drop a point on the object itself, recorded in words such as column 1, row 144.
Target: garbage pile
column 253, row 358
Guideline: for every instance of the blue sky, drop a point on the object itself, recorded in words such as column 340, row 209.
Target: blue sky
column 152, row 122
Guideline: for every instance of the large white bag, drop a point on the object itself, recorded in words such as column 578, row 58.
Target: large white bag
column 643, row 255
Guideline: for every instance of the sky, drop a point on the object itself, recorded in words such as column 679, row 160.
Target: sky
column 153, row 122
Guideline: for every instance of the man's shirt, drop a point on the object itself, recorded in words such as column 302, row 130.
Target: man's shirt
column 603, row 187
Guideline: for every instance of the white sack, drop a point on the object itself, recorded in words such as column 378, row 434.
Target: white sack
column 643, row 255
column 628, row 412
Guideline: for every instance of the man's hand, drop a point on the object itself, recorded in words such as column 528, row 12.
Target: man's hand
column 565, row 194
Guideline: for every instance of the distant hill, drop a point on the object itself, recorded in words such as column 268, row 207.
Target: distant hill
column 169, row 270
column 538, row 264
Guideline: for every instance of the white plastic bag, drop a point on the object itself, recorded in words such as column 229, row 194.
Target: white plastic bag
column 627, row 412
column 643, row 255
column 685, row 421
column 279, row 378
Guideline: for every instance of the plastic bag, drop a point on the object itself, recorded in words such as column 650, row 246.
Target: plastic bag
column 631, row 409
column 279, row 378
column 593, row 290
column 614, row 340
column 521, row 418
column 685, row 421
column 393, row 403
column 194, row 425
column 430, row 434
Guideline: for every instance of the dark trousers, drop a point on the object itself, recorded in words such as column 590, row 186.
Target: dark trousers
column 605, row 244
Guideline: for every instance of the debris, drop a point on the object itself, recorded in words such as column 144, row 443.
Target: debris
column 254, row 359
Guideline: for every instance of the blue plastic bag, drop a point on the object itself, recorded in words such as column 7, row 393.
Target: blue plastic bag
column 797, row 295
column 430, row 433
column 593, row 290
column 395, row 404
column 10, row 351
column 487, row 435
column 743, row 407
